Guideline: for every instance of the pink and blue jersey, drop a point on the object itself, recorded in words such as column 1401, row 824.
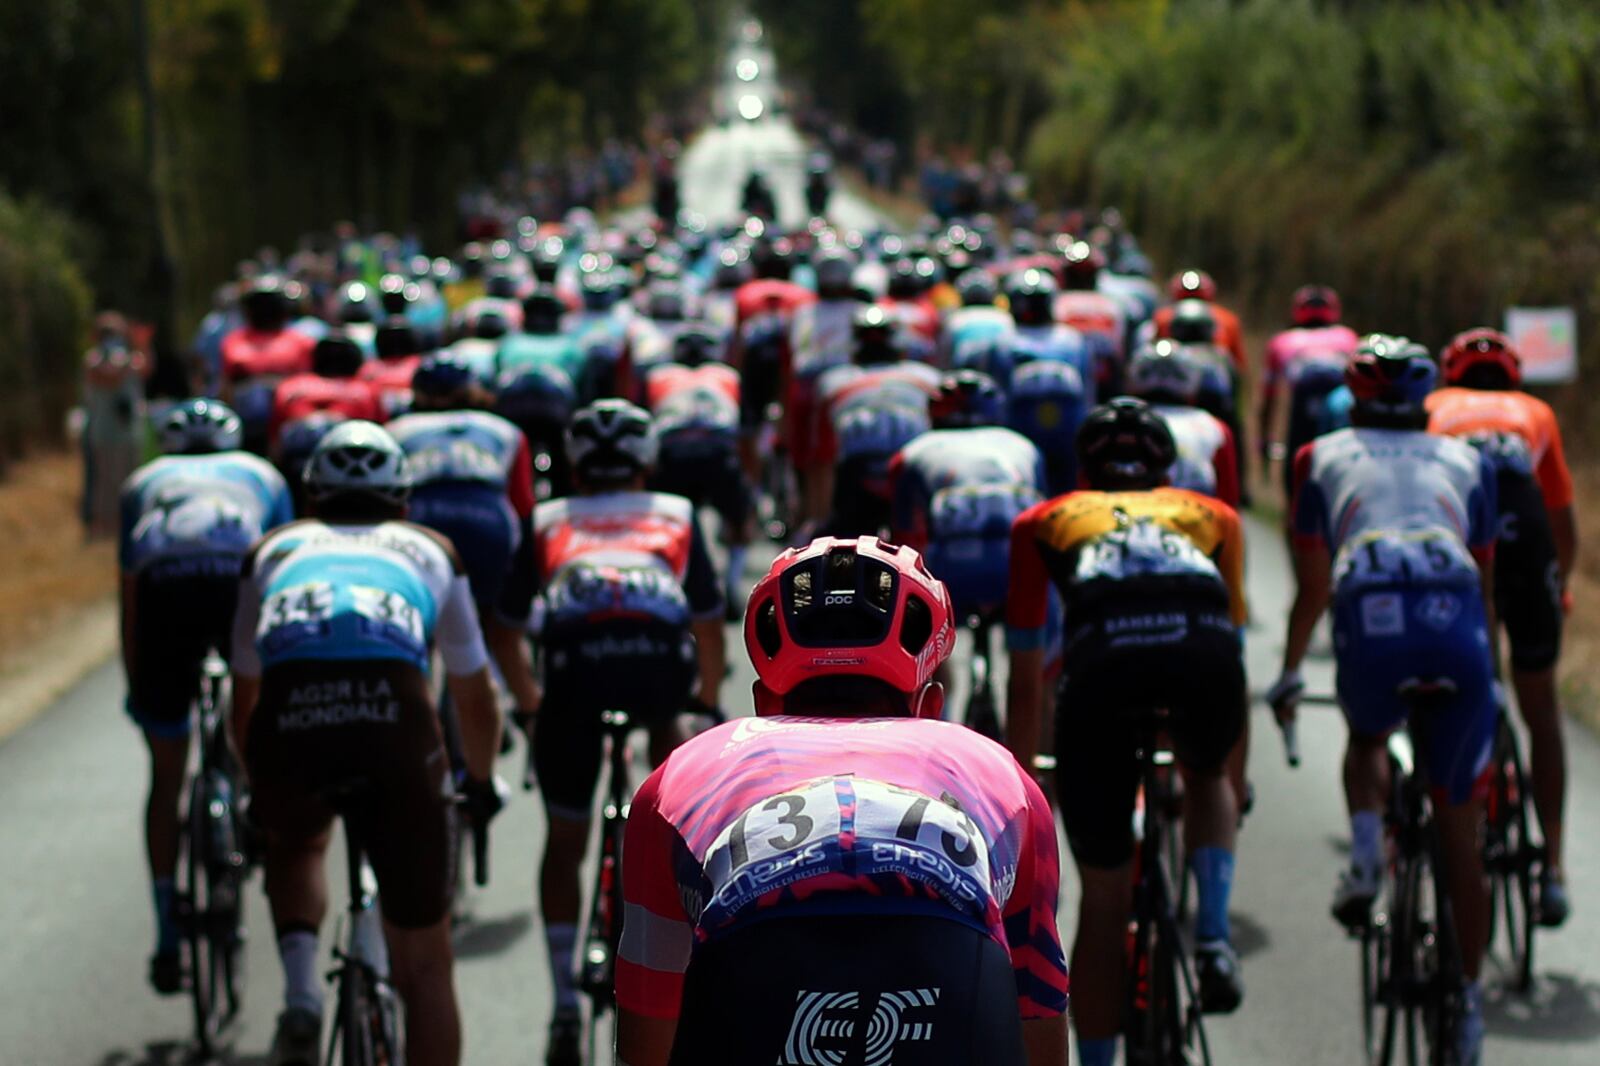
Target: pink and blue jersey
column 786, row 817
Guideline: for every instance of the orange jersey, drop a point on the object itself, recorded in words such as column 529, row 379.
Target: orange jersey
column 1458, row 412
column 1049, row 539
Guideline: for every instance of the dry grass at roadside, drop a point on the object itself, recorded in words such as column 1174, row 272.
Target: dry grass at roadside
column 46, row 569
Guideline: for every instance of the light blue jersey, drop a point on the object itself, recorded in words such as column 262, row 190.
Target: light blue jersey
column 197, row 515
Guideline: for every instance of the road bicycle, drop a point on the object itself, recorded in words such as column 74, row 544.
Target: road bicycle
column 367, row 1018
column 1511, row 857
column 602, row 935
column 1411, row 969
column 212, row 867
column 1161, row 1019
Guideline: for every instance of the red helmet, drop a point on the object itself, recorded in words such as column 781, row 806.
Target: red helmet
column 1196, row 284
column 1315, row 305
column 1480, row 347
column 847, row 607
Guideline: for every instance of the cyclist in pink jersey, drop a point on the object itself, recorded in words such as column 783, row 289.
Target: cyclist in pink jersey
column 904, row 870
column 1307, row 362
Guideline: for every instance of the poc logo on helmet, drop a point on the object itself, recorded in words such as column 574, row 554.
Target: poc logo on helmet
column 839, row 599
column 824, row 1027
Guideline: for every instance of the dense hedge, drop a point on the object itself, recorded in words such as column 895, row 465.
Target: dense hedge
column 44, row 321
column 1435, row 161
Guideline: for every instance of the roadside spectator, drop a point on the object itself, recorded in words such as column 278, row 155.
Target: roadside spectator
column 115, row 370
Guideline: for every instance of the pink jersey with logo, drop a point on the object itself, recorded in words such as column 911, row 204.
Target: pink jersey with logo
column 1292, row 349
column 765, row 817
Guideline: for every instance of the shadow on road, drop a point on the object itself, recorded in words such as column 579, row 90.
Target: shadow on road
column 1249, row 935
column 176, row 1053
column 478, row 938
column 1561, row 1008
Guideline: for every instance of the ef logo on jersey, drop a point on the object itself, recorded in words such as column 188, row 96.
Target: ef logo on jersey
column 823, row 1032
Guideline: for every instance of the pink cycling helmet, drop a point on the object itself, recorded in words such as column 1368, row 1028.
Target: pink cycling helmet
column 843, row 607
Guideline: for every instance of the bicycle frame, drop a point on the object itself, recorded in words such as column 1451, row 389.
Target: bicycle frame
column 1162, row 1023
column 981, row 715
column 603, row 932
column 366, row 1029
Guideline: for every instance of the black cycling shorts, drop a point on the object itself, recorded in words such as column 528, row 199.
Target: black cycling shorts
column 850, row 990
column 1174, row 654
column 359, row 738
column 706, row 477
column 1527, row 578
column 760, row 378
column 641, row 666
column 182, row 609
column 861, row 505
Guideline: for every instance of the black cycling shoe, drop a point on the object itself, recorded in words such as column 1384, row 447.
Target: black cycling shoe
column 1216, row 967
column 166, row 973
column 565, row 1046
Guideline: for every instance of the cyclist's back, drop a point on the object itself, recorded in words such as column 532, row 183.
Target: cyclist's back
column 914, row 858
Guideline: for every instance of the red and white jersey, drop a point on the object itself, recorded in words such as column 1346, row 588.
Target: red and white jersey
column 391, row 380
column 1093, row 314
column 265, row 356
column 307, row 394
column 918, row 317
column 629, row 532
column 764, row 311
column 765, row 817
column 1207, row 458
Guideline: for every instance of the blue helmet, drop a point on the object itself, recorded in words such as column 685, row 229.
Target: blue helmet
column 199, row 427
column 1390, row 375
column 541, row 395
column 441, row 377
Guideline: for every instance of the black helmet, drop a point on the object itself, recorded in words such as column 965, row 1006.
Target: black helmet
column 501, row 284
column 696, row 345
column 488, row 324
column 1081, row 266
column 905, row 283
column 264, row 303
column 395, row 339
column 665, row 301
column 977, row 289
column 396, row 294
column 967, row 398
column 876, row 335
column 546, row 259
column 1032, row 296
column 1193, row 322
column 536, row 395
column 1124, row 444
column 337, row 356
column 732, row 270
column 834, row 270
column 773, row 259
column 542, row 311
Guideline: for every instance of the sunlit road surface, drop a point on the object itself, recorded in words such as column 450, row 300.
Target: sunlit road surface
column 74, row 895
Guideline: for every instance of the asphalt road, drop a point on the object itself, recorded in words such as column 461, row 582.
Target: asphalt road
column 76, row 915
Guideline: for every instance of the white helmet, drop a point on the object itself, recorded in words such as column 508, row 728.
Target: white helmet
column 611, row 440
column 1165, row 372
column 199, row 427
column 358, row 458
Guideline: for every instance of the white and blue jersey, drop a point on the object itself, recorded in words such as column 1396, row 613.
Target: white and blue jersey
column 1408, row 519
column 472, row 480
column 388, row 591
column 1046, row 402
column 198, row 515
column 956, row 493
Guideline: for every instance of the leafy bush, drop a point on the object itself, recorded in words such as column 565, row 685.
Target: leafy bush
column 44, row 323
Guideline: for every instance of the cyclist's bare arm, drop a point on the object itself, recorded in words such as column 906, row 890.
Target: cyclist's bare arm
column 1564, row 530
column 1313, row 580
column 643, row 1041
column 1024, row 700
column 712, row 654
column 1045, row 1041
column 509, row 647
column 473, row 694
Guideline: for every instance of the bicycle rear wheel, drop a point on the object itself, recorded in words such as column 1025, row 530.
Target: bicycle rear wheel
column 368, row 1030
column 1510, row 856
column 194, row 906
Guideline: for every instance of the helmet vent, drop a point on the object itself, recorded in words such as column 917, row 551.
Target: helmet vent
column 917, row 626
column 841, row 575
column 767, row 634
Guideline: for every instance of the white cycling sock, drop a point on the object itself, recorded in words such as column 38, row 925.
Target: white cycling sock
column 301, row 988
column 560, row 938
column 1366, row 841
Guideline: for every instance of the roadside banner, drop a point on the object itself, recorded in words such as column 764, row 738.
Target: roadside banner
column 1547, row 339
